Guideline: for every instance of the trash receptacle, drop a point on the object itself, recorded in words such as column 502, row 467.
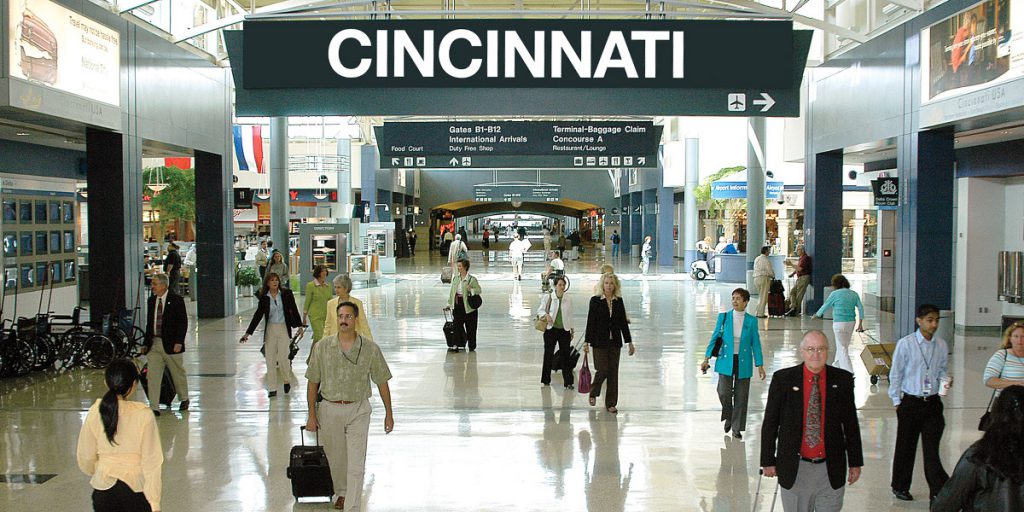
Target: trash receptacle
column 634, row 251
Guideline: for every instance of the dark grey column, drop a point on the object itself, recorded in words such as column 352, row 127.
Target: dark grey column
column 215, row 260
column 688, row 221
column 756, row 133
column 369, row 182
column 107, row 214
column 924, row 224
column 663, row 240
column 823, row 220
column 280, row 202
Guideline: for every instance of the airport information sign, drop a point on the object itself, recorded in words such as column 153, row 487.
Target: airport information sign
column 519, row 144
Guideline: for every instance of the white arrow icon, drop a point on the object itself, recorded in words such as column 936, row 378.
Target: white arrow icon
column 454, row 162
column 767, row 103
column 396, row 161
column 641, row 160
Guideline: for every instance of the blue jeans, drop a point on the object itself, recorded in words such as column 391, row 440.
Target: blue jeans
column 615, row 250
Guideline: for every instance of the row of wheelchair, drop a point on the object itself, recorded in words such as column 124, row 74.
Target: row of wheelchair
column 49, row 342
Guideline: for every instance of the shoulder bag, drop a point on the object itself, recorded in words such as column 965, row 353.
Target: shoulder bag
column 541, row 322
column 474, row 300
column 584, row 378
column 986, row 419
column 718, row 339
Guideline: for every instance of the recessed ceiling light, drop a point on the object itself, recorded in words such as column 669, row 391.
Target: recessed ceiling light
column 23, row 134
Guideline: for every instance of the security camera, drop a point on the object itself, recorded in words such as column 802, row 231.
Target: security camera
column 769, row 174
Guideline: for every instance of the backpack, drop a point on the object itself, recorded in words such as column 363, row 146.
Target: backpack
column 615, row 239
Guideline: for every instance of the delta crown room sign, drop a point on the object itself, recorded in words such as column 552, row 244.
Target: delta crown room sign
column 518, row 53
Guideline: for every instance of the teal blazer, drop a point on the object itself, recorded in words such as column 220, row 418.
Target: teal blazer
column 750, row 345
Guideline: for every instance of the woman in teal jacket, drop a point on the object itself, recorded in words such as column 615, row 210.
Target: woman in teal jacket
column 738, row 353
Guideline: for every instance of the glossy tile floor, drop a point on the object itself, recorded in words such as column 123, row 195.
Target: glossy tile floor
column 478, row 432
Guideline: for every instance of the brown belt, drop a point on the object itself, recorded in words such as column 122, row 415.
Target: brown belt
column 342, row 402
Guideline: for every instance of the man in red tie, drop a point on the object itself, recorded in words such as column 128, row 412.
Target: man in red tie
column 166, row 326
column 810, row 432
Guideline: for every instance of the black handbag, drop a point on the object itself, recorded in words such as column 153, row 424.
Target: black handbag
column 986, row 419
column 718, row 340
column 475, row 301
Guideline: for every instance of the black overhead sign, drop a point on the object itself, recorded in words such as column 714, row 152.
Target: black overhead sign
column 509, row 192
column 519, row 144
column 887, row 193
column 518, row 53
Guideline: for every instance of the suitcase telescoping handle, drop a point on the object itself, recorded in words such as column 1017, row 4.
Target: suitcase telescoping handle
column 302, row 435
column 448, row 315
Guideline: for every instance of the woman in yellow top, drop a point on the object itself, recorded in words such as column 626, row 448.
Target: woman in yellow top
column 342, row 288
column 119, row 446
column 314, row 310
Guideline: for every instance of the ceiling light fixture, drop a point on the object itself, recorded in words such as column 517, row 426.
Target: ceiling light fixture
column 23, row 134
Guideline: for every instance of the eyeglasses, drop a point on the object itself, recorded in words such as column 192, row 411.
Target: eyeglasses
column 812, row 350
column 346, row 317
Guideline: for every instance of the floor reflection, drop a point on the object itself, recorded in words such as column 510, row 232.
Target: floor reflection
column 555, row 448
column 605, row 485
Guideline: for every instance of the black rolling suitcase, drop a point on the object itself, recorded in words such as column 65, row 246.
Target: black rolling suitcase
column 776, row 299
column 452, row 337
column 309, row 471
column 167, row 391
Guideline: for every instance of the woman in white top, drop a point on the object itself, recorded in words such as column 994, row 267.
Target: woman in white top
column 516, row 253
column 557, row 309
column 556, row 267
column 119, row 446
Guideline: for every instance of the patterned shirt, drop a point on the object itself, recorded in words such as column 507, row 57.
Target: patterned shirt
column 347, row 375
column 1003, row 364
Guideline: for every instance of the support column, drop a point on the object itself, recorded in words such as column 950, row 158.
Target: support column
column 688, row 222
column 924, row 224
column 886, row 262
column 279, row 201
column 342, row 209
column 756, row 133
column 663, row 239
column 858, row 241
column 215, row 261
column 783, row 222
column 114, row 181
column 823, row 221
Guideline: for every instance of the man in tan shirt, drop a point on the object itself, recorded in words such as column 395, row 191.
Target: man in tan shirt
column 340, row 369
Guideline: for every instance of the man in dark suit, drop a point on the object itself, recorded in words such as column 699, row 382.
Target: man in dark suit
column 810, row 431
column 166, row 326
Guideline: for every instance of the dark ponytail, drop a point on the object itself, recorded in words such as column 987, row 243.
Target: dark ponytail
column 120, row 377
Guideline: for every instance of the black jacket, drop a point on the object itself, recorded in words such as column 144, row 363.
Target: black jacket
column 173, row 258
column 175, row 322
column 605, row 331
column 978, row 486
column 291, row 312
column 784, row 422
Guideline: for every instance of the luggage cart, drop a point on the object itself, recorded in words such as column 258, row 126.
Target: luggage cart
column 877, row 358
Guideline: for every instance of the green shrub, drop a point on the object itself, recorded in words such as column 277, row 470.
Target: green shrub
column 247, row 276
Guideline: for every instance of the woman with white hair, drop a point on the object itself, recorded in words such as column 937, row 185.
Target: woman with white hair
column 458, row 250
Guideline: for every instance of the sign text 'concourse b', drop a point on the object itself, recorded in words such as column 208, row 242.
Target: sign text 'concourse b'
column 536, row 53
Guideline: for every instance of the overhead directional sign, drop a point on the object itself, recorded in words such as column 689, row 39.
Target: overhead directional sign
column 511, row 192
column 464, row 67
column 519, row 144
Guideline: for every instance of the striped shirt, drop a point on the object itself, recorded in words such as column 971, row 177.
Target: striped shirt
column 1003, row 364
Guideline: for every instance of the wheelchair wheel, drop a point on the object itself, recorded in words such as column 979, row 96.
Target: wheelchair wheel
column 98, row 351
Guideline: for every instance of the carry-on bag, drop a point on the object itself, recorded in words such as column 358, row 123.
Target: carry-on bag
column 309, row 471
column 446, row 274
column 167, row 390
column 776, row 298
column 451, row 337
column 757, row 493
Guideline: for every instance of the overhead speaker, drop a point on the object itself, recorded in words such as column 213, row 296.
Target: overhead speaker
column 852, row 175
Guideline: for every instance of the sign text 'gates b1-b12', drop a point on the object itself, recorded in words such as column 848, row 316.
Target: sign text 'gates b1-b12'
column 519, row 144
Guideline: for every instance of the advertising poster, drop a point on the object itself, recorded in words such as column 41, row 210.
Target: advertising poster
column 56, row 47
column 980, row 46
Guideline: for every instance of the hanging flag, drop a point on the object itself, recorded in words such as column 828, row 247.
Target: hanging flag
column 248, row 147
column 179, row 162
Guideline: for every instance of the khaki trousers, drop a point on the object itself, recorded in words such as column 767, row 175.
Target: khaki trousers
column 796, row 295
column 763, row 284
column 277, row 344
column 159, row 359
column 346, row 428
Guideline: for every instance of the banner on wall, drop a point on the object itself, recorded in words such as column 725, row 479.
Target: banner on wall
column 887, row 193
column 55, row 47
column 975, row 48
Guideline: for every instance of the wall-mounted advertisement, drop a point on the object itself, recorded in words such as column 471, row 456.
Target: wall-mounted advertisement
column 976, row 48
column 59, row 48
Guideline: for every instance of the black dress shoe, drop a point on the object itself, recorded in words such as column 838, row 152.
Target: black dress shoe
column 287, row 388
column 737, row 435
column 156, row 412
column 184, row 405
column 570, row 386
column 902, row 495
column 728, row 427
column 272, row 394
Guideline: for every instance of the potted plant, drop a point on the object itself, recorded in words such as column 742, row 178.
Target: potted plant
column 246, row 278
